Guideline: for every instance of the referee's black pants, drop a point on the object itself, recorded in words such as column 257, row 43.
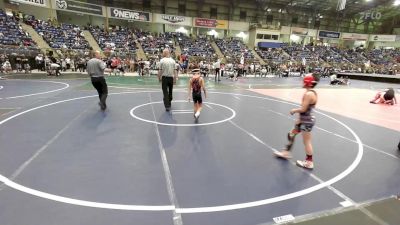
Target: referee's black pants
column 217, row 74
column 167, row 84
column 101, row 86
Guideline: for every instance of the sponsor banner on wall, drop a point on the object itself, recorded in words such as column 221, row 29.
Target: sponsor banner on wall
column 300, row 31
column 171, row 19
column 285, row 30
column 127, row 14
column 40, row 3
column 312, row 32
column 352, row 36
column 398, row 38
column 377, row 37
column 79, row 7
column 303, row 31
column 211, row 23
column 240, row 26
column 328, row 34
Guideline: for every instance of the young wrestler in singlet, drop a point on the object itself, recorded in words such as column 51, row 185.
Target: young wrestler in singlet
column 196, row 84
column 304, row 124
column 386, row 97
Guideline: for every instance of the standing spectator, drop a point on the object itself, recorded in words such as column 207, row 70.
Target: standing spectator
column 68, row 63
column 54, row 64
column 131, row 65
column 7, row 66
column 222, row 69
column 39, row 62
column 217, row 66
column 167, row 74
column 141, row 67
column 72, row 65
column 63, row 65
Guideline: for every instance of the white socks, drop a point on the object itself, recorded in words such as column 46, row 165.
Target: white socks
column 197, row 114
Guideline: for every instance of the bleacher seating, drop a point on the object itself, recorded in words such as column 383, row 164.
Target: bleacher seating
column 298, row 53
column 327, row 54
column 382, row 56
column 121, row 39
column 154, row 45
column 272, row 55
column 66, row 36
column 68, row 40
column 12, row 34
column 200, row 47
column 351, row 55
column 233, row 49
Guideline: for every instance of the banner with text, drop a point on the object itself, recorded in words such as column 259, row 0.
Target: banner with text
column 353, row 36
column 40, row 3
column 171, row 19
column 240, row 26
column 211, row 23
column 127, row 14
column 79, row 7
column 300, row 31
column 328, row 34
column 389, row 38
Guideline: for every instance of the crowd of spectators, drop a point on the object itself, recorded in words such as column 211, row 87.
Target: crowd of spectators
column 301, row 53
column 67, row 37
column 115, row 40
column 383, row 56
column 273, row 55
column 11, row 32
column 154, row 44
column 234, row 49
column 200, row 48
column 354, row 56
column 327, row 54
column 59, row 36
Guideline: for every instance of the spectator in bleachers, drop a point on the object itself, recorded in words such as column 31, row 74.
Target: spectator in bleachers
column 233, row 49
column 273, row 56
column 65, row 36
column 116, row 40
column 12, row 34
column 200, row 48
column 7, row 66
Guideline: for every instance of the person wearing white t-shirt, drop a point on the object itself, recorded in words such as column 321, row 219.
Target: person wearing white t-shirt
column 167, row 75
column 7, row 66
column 217, row 66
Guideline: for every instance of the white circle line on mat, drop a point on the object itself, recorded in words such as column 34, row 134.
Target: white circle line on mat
column 184, row 124
column 303, row 192
column 42, row 93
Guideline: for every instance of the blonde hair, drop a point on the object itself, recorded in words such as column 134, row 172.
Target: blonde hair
column 166, row 52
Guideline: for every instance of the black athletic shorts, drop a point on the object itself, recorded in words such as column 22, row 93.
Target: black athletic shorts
column 307, row 127
column 197, row 97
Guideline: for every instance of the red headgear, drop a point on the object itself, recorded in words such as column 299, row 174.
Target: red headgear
column 309, row 80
